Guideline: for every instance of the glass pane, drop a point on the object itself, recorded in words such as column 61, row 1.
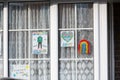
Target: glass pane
column 1, row 45
column 29, row 40
column 21, row 13
column 85, row 70
column 66, row 16
column 84, row 15
column 1, row 69
column 39, row 16
column 67, row 70
column 18, row 44
column 1, row 42
column 40, row 70
column 86, row 35
column 1, row 16
column 76, row 61
column 18, row 16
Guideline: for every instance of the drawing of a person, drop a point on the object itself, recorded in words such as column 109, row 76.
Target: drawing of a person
column 39, row 40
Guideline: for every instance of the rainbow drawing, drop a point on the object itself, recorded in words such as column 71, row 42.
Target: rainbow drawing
column 84, row 47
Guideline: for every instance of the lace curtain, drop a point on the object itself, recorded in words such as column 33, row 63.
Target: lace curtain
column 77, row 18
column 25, row 18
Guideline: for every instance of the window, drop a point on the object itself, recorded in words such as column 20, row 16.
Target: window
column 27, row 21
column 76, row 21
column 52, row 41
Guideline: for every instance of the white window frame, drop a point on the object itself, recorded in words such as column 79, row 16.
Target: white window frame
column 103, row 41
column 100, row 41
column 5, row 38
column 54, row 40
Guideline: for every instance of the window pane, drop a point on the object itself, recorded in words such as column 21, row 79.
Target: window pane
column 1, row 42
column 67, row 16
column 39, row 16
column 29, row 40
column 84, row 15
column 40, row 70
column 18, row 16
column 76, row 56
column 87, row 35
column 85, row 70
column 21, row 13
column 67, row 70
column 18, row 44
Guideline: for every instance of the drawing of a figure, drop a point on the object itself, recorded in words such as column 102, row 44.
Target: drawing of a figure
column 39, row 40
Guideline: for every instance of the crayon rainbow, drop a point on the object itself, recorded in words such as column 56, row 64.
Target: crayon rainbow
column 84, row 47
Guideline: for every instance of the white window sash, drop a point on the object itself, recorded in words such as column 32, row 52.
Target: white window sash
column 54, row 40
column 5, row 39
column 100, row 45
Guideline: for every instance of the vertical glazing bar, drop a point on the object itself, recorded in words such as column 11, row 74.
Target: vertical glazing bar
column 54, row 43
column 96, row 41
column 16, row 25
column 5, row 39
column 29, row 38
column 25, row 37
column 72, row 23
column 76, row 38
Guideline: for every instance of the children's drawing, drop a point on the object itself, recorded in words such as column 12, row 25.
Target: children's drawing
column 67, row 38
column 84, row 47
column 39, row 43
column 19, row 71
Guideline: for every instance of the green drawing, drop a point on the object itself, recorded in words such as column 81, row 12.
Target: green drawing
column 39, row 40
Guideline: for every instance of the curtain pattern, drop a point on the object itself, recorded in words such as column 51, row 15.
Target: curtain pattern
column 73, row 65
column 84, row 16
column 25, row 18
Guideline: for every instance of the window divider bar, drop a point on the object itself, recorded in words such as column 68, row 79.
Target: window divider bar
column 46, row 59
column 5, row 38
column 29, row 29
column 54, row 40
column 76, row 59
column 29, row 41
column 75, row 29
column 76, row 38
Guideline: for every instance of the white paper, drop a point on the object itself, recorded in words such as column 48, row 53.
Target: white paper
column 19, row 71
column 67, row 38
column 42, row 47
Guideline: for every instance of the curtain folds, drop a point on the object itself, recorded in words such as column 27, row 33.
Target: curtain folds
column 24, row 19
column 77, row 18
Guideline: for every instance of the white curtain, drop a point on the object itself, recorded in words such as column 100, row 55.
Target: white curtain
column 71, row 68
column 25, row 18
column 84, row 15
column 66, row 16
